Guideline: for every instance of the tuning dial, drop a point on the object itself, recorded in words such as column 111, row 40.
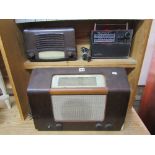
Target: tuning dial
column 127, row 35
column 99, row 126
column 58, row 126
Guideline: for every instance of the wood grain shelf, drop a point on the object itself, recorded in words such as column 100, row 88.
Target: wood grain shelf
column 127, row 63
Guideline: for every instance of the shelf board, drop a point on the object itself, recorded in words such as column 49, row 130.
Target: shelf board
column 126, row 63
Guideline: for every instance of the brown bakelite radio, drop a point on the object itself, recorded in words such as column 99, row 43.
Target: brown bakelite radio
column 78, row 98
column 50, row 44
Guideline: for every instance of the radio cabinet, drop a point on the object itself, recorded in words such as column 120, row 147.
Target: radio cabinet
column 50, row 44
column 78, row 98
column 108, row 44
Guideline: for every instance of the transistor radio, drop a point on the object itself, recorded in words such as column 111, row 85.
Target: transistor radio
column 110, row 41
column 52, row 44
column 78, row 98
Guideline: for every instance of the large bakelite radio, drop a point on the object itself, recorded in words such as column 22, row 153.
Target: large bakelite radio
column 78, row 98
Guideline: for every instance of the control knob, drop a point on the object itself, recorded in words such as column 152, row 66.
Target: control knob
column 108, row 126
column 127, row 35
column 99, row 126
column 58, row 126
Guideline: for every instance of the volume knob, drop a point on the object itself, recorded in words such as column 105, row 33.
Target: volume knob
column 127, row 35
column 58, row 126
column 108, row 126
column 71, row 55
column 30, row 55
column 99, row 126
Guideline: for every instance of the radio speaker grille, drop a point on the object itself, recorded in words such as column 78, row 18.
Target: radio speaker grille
column 78, row 108
column 50, row 42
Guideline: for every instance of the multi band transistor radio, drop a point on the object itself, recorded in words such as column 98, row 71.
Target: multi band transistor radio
column 111, row 41
column 78, row 98
column 50, row 44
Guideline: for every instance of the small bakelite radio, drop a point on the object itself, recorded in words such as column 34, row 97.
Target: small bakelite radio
column 78, row 98
column 50, row 44
column 111, row 41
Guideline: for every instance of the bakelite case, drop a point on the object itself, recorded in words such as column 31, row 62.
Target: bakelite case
column 50, row 44
column 117, row 92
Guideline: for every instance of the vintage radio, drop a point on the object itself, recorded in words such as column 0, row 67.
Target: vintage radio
column 50, row 44
column 111, row 41
column 78, row 98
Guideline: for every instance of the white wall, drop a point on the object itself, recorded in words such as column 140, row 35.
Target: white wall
column 148, row 56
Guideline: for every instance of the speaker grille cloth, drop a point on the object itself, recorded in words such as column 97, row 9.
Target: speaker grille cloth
column 75, row 108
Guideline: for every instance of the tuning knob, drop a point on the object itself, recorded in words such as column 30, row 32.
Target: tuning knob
column 58, row 126
column 127, row 35
column 49, row 126
column 108, row 126
column 30, row 55
column 70, row 55
column 99, row 126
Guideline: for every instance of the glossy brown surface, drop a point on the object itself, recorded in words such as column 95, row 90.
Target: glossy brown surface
column 147, row 107
column 116, row 106
column 53, row 40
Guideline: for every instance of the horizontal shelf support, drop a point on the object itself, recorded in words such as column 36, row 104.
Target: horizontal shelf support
column 126, row 63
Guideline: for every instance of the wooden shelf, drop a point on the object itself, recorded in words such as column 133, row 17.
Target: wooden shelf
column 127, row 63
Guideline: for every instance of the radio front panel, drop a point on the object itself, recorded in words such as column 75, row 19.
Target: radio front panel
column 78, row 98
column 109, row 36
